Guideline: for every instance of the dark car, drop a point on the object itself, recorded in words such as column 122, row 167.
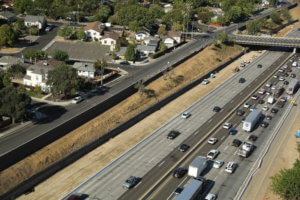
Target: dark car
column 233, row 132
column 183, row 147
column 261, row 101
column 293, row 75
column 286, row 75
column 178, row 190
column 179, row 172
column 252, row 138
column 242, row 80
column 259, row 66
column 268, row 117
column 236, row 143
column 124, row 63
column 216, row 109
column 131, row 182
column 285, row 82
column 264, row 124
column 173, row 134
column 240, row 112
column 77, row 197
column 274, row 110
column 289, row 70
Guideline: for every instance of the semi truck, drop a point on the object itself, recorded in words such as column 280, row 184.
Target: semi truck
column 292, row 86
column 197, row 166
column 192, row 190
column 245, row 149
column 251, row 120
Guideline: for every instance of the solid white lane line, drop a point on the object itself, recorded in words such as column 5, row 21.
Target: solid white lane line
column 161, row 163
column 182, row 181
column 226, row 148
column 170, row 144
column 223, row 137
column 138, row 184
column 209, row 120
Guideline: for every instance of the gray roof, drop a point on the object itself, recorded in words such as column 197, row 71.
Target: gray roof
column 27, row 77
column 145, row 48
column 122, row 51
column 7, row 14
column 42, row 70
column 33, row 18
column 9, row 60
column 84, row 66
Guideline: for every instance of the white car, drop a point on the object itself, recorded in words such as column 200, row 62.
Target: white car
column 269, row 84
column 262, row 91
column 252, row 108
column 212, row 154
column 255, row 97
column 295, row 64
column 247, row 105
column 218, row 164
column 205, row 82
column 78, row 99
column 212, row 140
column 281, row 70
column 268, row 92
column 185, row 115
column 285, row 66
column 281, row 78
column 266, row 108
column 283, row 99
column 273, row 87
column 275, row 76
column 211, row 197
column 231, row 166
column 227, row 125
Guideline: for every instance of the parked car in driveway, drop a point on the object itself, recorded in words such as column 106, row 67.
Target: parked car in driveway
column 48, row 28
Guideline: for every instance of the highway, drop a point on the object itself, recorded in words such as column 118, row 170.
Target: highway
column 152, row 153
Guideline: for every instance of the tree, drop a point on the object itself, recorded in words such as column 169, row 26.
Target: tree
column 178, row 27
column 38, row 90
column 103, row 13
column 253, row 27
column 286, row 183
column 285, row 13
column 275, row 17
column 130, row 53
column 114, row 55
column 13, row 103
column 8, row 37
column 234, row 13
column 66, row 32
column 223, row 37
column 60, row 55
column 6, row 80
column 162, row 30
column 134, row 26
column 140, row 87
column 157, row 11
column 35, row 54
column 23, row 6
column 204, row 15
column 63, row 80
column 162, row 46
column 81, row 34
column 221, row 20
column 100, row 66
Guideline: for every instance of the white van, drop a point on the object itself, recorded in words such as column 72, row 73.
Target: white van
column 295, row 64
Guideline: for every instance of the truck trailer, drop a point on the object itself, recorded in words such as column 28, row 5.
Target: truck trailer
column 191, row 191
column 245, row 149
column 251, row 120
column 197, row 166
column 292, row 86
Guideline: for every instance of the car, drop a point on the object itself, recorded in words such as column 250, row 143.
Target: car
column 276, row 76
column 77, row 197
column 285, row 66
column 242, row 64
column 218, row 164
column 268, row 117
column 124, row 63
column 243, row 119
column 273, row 87
column 255, row 97
column 212, row 154
column 259, row 66
column 268, row 92
column 265, row 108
column 252, row 137
column 48, row 28
column 281, row 70
column 231, row 166
column 210, row 197
column 281, row 78
column 269, row 84
column 242, row 80
column 291, row 60
column 295, row 64
column 179, row 172
column 293, row 75
column 247, row 105
column 205, row 82
column 77, row 100
column 285, row 82
column 283, row 98
column 289, row 70
column 173, row 134
column 264, row 124
column 233, row 132
column 178, row 190
column 261, row 101
column 212, row 140
column 131, row 182
column 185, row 115
column 216, row 109
column 286, row 75
column 227, row 125
column 236, row 142
column 240, row 112
column 183, row 147
column 274, row 110
column 252, row 108
column 261, row 91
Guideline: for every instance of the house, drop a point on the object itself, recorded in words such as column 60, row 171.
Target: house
column 35, row 21
column 140, row 36
column 151, row 41
column 121, row 52
column 94, row 30
column 8, row 16
column 172, row 38
column 7, row 61
column 145, row 50
column 36, row 75
column 8, row 4
column 110, row 38
column 85, row 69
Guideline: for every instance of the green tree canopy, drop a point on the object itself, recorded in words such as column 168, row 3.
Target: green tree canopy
column 38, row 54
column 223, row 37
column 253, row 27
column 81, row 34
column 162, row 30
column 285, row 13
column 100, row 66
column 60, row 55
column 157, row 11
column 13, row 103
column 204, row 15
column 8, row 37
column 64, row 80
column 66, row 32
column 103, row 13
column 23, row 6
column 134, row 26
column 275, row 17
column 130, row 53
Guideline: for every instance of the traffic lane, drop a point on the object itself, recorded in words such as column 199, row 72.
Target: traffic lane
column 239, row 96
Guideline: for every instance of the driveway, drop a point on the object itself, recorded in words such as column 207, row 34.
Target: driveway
column 82, row 51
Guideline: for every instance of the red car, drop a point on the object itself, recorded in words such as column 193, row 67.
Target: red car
column 289, row 70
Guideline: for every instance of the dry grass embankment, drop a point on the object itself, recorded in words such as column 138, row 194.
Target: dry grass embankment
column 199, row 65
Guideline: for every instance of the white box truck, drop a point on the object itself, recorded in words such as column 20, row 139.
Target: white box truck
column 197, row 166
column 271, row 99
column 245, row 150
column 251, row 120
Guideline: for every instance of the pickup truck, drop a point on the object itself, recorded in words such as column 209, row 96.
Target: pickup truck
column 280, row 104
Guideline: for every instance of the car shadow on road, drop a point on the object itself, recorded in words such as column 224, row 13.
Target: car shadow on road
column 52, row 113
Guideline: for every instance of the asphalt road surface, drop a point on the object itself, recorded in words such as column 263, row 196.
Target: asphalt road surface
column 152, row 153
